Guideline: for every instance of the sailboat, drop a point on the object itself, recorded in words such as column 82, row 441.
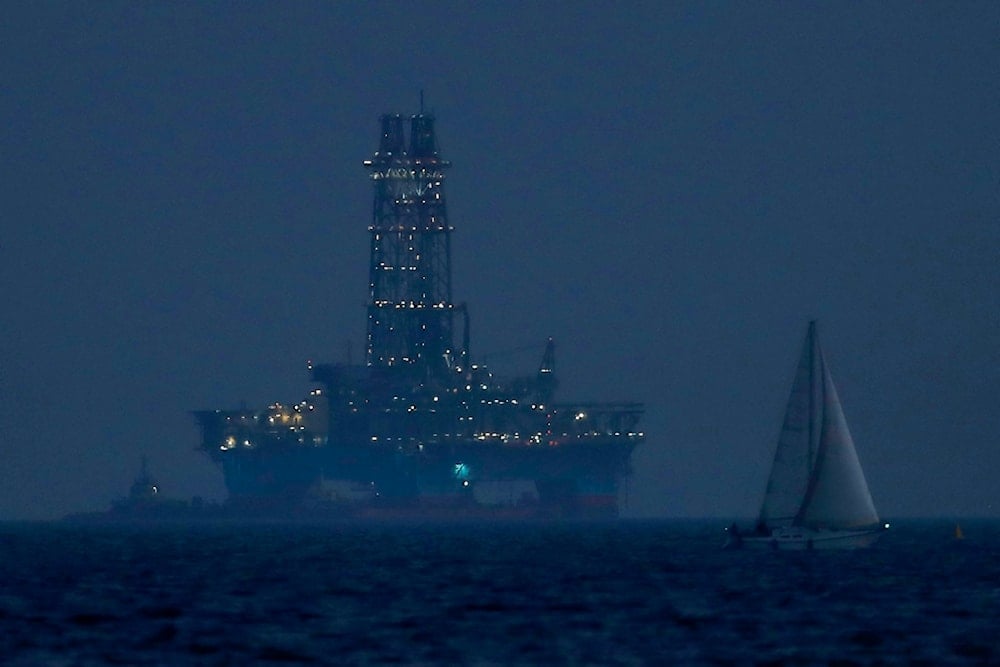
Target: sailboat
column 816, row 495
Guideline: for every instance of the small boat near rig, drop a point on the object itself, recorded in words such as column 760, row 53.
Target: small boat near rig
column 816, row 495
column 419, row 429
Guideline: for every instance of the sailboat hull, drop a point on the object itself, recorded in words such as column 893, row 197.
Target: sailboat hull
column 803, row 539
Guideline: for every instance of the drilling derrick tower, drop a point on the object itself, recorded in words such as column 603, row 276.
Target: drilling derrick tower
column 410, row 309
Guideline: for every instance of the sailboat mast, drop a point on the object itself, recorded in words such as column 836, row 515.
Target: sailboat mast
column 813, row 447
column 812, row 397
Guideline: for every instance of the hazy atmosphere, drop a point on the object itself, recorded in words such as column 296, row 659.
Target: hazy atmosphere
column 669, row 190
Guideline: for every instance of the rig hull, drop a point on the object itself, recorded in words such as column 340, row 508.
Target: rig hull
column 578, row 479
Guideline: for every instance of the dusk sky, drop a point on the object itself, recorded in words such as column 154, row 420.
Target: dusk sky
column 669, row 190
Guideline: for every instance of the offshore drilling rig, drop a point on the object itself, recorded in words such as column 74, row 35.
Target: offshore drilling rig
column 420, row 429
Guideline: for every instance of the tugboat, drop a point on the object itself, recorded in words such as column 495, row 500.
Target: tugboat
column 144, row 503
column 142, row 496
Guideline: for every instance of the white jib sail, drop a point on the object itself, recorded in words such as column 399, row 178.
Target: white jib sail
column 838, row 495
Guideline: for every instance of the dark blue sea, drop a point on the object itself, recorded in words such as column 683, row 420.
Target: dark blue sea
column 627, row 593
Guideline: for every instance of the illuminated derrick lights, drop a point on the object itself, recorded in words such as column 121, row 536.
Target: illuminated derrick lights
column 410, row 311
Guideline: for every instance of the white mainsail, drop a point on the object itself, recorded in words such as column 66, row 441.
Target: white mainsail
column 816, row 480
